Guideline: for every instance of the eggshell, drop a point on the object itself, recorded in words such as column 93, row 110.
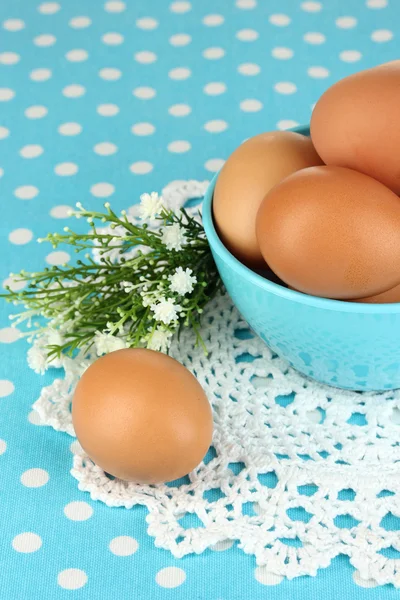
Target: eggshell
column 389, row 297
column 332, row 232
column 253, row 169
column 356, row 124
column 142, row 416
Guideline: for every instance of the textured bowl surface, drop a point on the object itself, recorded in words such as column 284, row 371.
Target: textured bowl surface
column 348, row 345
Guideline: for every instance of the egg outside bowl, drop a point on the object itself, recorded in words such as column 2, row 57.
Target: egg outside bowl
column 348, row 345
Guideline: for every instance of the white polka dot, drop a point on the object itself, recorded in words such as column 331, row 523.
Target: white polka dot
column 180, row 7
column 72, row 579
column 170, row 577
column 382, row 35
column 318, row 72
column 80, row 22
column 311, row 6
column 141, row 167
column 75, row 447
column 8, row 335
column 214, row 164
column 376, row 3
column 249, row 69
column 222, row 545
column 145, row 57
column 14, row 24
column 36, row 112
column 31, row 151
column 1, row 172
column 3, row 446
column 143, row 129
column 247, row 35
column 350, row 56
column 180, row 39
column 44, row 40
column 78, row 511
column 34, row 478
column 285, row 87
column 215, row 88
column 179, row 73
column 20, row 236
column 279, row 20
column 58, row 257
column 102, row 190
column 26, row 192
column 27, row 542
column 286, row 124
column 213, row 53
column 70, row 128
column 112, row 39
column 40, row 74
column 108, row 110
column 123, row 545
column 115, row 6
column 313, row 37
column 265, row 577
column 365, row 583
column 251, row 105
column 6, row 94
column 4, row 132
column 216, row 126
column 34, row 418
column 14, row 286
column 110, row 74
column 246, row 4
column 6, row 386
column 65, row 169
column 179, row 146
column 179, row 110
column 144, row 93
column 77, row 55
column 346, row 22
column 282, row 53
column 9, row 58
column 147, row 23
column 61, row 211
column 105, row 148
column 213, row 20
column 49, row 8
column 75, row 90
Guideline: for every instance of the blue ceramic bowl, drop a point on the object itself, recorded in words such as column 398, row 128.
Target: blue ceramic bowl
column 348, row 345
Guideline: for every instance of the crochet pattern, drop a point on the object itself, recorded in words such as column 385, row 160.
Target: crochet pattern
column 298, row 472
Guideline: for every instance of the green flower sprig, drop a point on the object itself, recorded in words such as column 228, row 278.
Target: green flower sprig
column 141, row 282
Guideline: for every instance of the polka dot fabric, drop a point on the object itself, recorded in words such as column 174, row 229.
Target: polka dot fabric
column 103, row 101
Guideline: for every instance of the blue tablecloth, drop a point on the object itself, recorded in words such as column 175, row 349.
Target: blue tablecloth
column 108, row 100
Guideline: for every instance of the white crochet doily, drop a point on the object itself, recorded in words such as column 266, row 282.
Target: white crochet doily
column 298, row 473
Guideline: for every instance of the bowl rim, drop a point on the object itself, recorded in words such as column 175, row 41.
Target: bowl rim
column 274, row 288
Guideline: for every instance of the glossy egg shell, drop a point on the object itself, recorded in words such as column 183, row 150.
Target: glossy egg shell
column 389, row 297
column 332, row 232
column 356, row 124
column 250, row 171
column 142, row 416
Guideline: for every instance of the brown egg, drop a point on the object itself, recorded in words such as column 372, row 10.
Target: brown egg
column 332, row 232
column 356, row 124
column 253, row 169
column 389, row 297
column 142, row 416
